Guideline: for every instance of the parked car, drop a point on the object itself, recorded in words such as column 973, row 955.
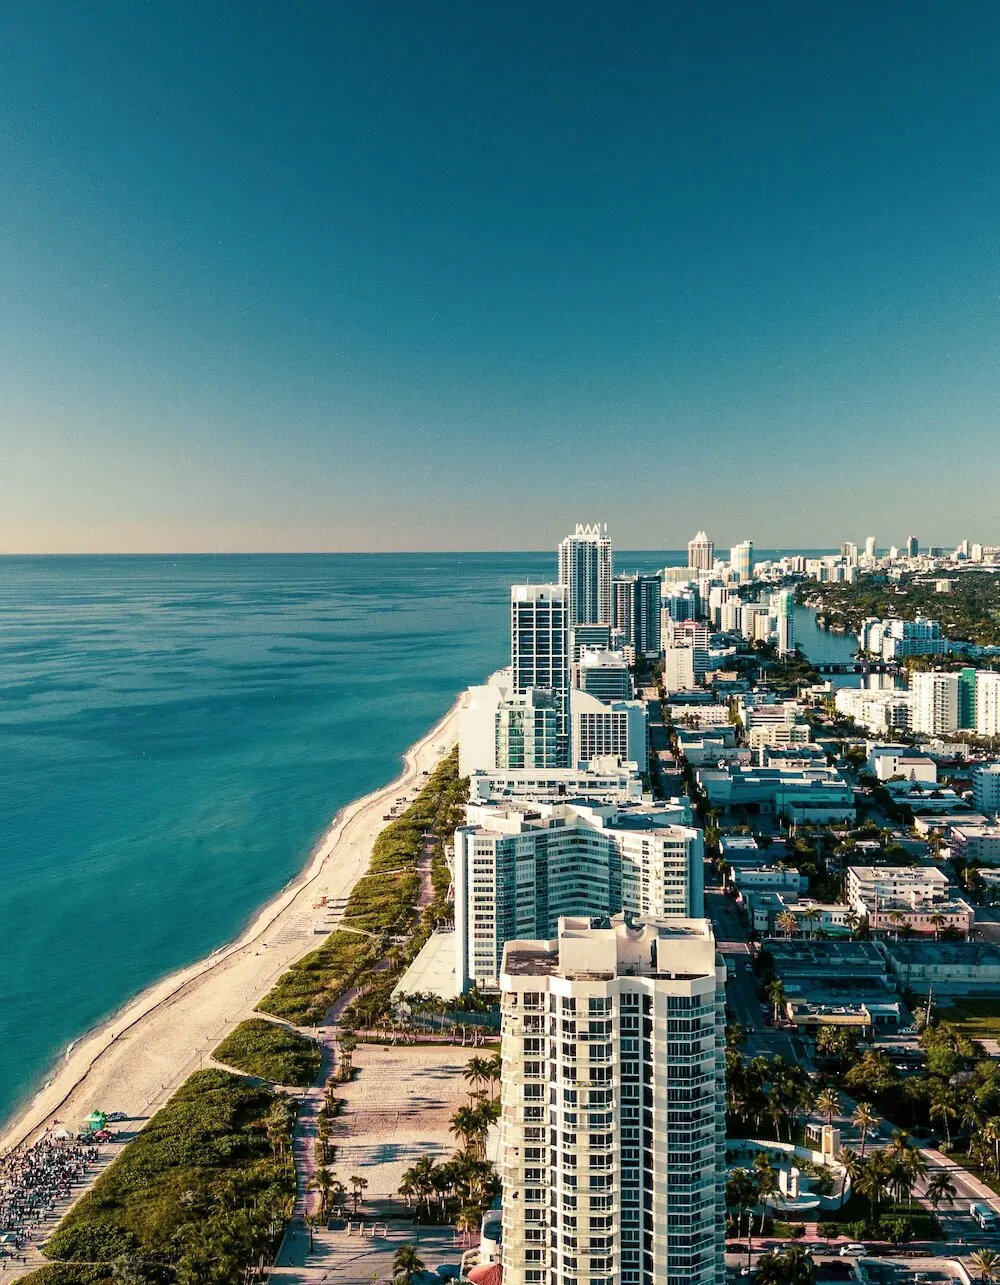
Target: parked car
column 855, row 1251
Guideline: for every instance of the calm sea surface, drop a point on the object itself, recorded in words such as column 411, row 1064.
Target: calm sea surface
column 177, row 733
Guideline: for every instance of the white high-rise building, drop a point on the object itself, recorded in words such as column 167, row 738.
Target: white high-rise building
column 987, row 702
column 871, row 549
column 934, row 703
column 612, row 1131
column 783, row 606
column 701, row 553
column 520, row 865
column 986, row 789
column 539, row 647
column 741, row 560
column 679, row 665
column 587, row 568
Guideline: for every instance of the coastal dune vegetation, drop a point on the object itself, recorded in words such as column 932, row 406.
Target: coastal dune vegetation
column 202, row 1193
column 271, row 1051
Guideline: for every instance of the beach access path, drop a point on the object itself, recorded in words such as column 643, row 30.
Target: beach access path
column 135, row 1061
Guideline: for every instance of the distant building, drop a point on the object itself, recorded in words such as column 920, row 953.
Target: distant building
column 912, row 546
column 987, row 703
column 783, row 605
column 741, row 560
column 603, row 674
column 539, row 647
column 887, row 761
column 581, row 636
column 637, row 612
column 701, row 553
column 602, row 728
column 586, row 569
column 886, row 710
column 871, row 548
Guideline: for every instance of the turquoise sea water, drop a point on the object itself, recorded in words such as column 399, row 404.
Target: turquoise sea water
column 177, row 732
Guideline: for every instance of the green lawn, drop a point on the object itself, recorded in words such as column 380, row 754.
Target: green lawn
column 978, row 1018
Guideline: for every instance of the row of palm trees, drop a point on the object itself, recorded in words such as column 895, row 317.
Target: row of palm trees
column 766, row 1088
column 465, row 1178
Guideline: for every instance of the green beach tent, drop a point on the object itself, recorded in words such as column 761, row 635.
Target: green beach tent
column 95, row 1121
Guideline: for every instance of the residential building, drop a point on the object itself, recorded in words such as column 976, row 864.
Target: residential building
column 680, row 669
column 896, row 639
column 539, row 647
column 530, row 731
column 581, row 636
column 987, row 703
column 912, row 546
column 701, row 553
column 871, row 548
column 779, row 735
column 612, row 1133
column 934, row 702
column 603, row 674
column 783, row 606
column 888, row 761
column 897, row 898
column 967, row 699
column 976, row 845
column 519, row 866
column 885, row 710
column 586, row 569
column 601, row 728
column 637, row 612
column 986, row 788
column 769, row 879
column 919, row 884
column 741, row 561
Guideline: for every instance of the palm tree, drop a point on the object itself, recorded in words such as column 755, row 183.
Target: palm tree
column 852, row 1163
column 943, row 1108
column 940, row 1188
column 987, row 1264
column 358, row 1185
column 991, row 1134
column 322, row 1181
column 476, row 1073
column 787, row 922
column 865, row 1119
column 937, row 919
column 828, row 1104
column 778, row 997
column 770, row 1269
column 467, row 1124
column 406, row 1263
column 798, row 1266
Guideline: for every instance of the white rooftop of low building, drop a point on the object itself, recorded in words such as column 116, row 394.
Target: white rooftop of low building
column 433, row 970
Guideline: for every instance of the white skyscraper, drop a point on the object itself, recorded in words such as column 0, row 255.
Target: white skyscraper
column 783, row 606
column 741, row 560
column 612, row 1132
column 701, row 553
column 935, row 702
column 586, row 568
column 871, row 549
column 539, row 648
column 987, row 703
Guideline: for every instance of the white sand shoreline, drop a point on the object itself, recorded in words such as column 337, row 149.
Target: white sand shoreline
column 133, row 1061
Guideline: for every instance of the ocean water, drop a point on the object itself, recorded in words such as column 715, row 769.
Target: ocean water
column 176, row 733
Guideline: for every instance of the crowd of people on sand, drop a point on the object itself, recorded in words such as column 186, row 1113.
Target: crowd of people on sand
column 33, row 1180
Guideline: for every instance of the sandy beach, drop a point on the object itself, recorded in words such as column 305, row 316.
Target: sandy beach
column 133, row 1062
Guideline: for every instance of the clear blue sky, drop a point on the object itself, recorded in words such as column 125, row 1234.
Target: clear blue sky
column 454, row 275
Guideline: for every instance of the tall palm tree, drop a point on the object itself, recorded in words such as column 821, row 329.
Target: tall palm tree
column 987, row 1264
column 406, row 1263
column 991, row 1134
column 358, row 1185
column 852, row 1163
column 940, row 1188
column 777, row 995
column 322, row 1181
column 943, row 1107
column 864, row 1119
column 798, row 1266
column 770, row 1269
column 828, row 1104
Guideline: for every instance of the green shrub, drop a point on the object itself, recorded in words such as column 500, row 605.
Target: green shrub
column 205, row 1155
column 271, row 1052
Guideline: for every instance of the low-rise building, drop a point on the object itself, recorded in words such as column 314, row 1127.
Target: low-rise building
column 771, row 878
column 976, row 845
column 923, row 798
column 947, row 964
column 813, row 794
column 879, row 711
column 891, row 761
column 608, row 779
column 838, row 983
column 921, row 884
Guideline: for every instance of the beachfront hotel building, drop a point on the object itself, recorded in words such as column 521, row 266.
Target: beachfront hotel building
column 539, row 648
column 586, row 568
column 520, row 865
column 612, row 1126
column 599, row 728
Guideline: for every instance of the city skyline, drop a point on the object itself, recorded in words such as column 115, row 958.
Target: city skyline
column 299, row 282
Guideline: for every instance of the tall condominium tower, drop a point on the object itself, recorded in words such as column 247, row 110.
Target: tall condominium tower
column 701, row 553
column 613, row 1152
column 741, row 560
column 912, row 546
column 871, row 548
column 539, row 648
column 637, row 612
column 783, row 606
column 586, row 568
